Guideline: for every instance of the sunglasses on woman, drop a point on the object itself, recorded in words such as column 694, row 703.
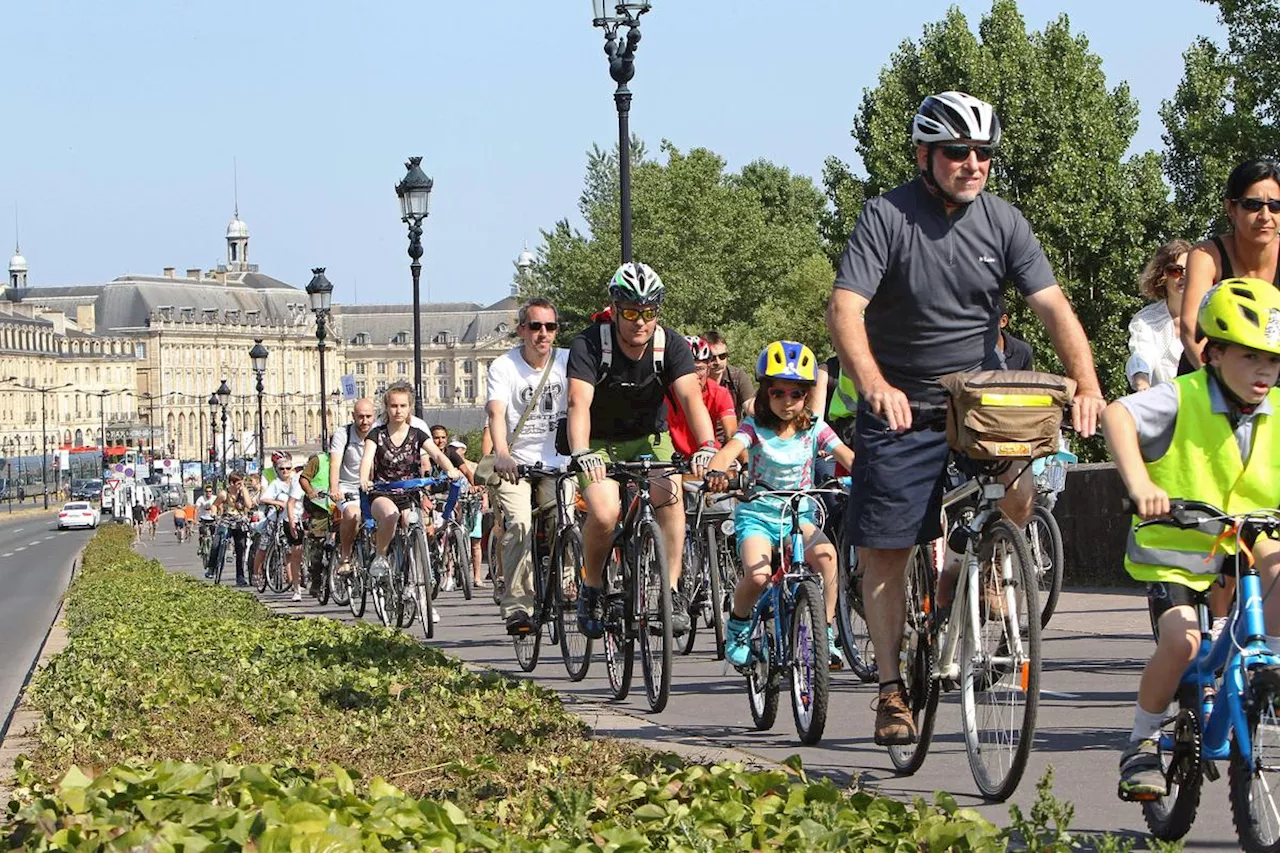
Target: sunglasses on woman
column 960, row 153
column 631, row 315
column 1253, row 205
column 1176, row 270
column 791, row 393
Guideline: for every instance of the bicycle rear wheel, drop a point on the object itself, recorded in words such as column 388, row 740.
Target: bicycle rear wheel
column 260, row 579
column 1170, row 817
column 1044, row 542
column 917, row 672
column 691, row 584
column 358, row 581
column 715, row 602
column 218, row 558
column 339, row 586
column 855, row 638
column 420, row 578
column 619, row 644
column 764, row 677
column 810, row 665
column 1000, row 662
column 566, row 580
column 460, row 546
column 325, row 564
column 1255, row 778
column 654, row 616
column 275, row 567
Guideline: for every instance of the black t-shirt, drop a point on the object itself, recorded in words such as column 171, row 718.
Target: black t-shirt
column 454, row 455
column 392, row 462
column 629, row 399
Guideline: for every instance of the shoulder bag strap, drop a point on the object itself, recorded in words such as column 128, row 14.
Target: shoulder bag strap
column 533, row 401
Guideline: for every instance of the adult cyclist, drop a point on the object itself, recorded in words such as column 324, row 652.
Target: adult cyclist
column 621, row 371
column 915, row 298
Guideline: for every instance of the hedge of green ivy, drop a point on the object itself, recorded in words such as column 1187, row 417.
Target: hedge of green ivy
column 184, row 716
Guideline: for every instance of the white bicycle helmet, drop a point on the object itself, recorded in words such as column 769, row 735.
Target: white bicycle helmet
column 949, row 116
column 638, row 283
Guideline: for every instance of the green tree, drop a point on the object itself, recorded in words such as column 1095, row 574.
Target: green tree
column 734, row 249
column 1062, row 161
column 1223, row 111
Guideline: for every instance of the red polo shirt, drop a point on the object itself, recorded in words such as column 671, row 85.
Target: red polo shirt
column 718, row 402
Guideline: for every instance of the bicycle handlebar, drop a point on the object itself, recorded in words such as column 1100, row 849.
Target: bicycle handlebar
column 415, row 484
column 1189, row 515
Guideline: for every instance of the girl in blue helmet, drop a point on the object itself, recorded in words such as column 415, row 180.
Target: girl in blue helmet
column 782, row 439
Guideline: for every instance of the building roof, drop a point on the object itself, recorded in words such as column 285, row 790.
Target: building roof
column 465, row 322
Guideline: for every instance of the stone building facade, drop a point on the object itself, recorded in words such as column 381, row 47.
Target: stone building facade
column 182, row 334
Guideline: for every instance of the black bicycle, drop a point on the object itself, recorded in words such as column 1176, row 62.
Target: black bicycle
column 556, row 543
column 710, row 567
column 637, row 588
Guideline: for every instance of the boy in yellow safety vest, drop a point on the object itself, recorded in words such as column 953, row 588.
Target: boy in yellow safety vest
column 1209, row 436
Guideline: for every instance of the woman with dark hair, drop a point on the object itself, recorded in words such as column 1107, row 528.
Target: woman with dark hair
column 1154, row 345
column 1248, row 250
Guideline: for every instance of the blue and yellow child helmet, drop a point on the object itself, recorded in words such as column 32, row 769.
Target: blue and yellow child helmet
column 787, row 360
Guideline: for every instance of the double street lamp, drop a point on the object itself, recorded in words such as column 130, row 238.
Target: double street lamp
column 320, row 290
column 258, row 358
column 414, row 192
column 44, row 430
column 102, row 420
column 622, row 67
column 218, row 401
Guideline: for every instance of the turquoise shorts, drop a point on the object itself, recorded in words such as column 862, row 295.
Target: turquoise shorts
column 772, row 526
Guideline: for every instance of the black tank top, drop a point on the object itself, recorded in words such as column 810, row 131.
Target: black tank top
column 1185, row 366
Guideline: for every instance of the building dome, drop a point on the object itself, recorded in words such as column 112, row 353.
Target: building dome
column 525, row 260
column 17, row 264
column 237, row 230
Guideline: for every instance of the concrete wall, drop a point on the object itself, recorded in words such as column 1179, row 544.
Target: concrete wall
column 1094, row 526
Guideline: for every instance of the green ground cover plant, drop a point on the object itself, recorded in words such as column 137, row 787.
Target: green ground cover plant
column 184, row 716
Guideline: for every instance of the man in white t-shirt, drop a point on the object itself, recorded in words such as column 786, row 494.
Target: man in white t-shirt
column 346, row 449
column 513, row 378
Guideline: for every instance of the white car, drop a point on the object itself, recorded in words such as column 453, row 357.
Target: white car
column 78, row 514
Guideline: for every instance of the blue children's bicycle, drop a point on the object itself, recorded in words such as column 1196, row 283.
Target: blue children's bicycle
column 1228, row 699
column 789, row 630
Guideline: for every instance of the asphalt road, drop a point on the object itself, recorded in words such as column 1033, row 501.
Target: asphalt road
column 1094, row 651
column 35, row 565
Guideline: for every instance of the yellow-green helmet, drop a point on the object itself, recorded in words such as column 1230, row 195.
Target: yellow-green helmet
column 1244, row 311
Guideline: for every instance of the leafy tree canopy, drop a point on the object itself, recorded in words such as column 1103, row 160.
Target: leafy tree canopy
column 1223, row 111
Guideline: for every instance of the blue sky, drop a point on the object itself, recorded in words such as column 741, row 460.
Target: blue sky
column 123, row 119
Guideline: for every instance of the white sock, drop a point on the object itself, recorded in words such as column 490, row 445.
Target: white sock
column 1146, row 725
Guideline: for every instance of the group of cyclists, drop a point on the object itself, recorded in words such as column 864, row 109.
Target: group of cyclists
column 917, row 296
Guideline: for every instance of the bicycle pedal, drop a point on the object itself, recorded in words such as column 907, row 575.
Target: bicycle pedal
column 1137, row 797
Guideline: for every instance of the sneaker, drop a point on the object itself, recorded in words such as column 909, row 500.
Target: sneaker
column 679, row 612
column 591, row 612
column 240, row 581
column 894, row 724
column 297, row 595
column 379, row 567
column 1140, row 775
column 449, row 584
column 519, row 624
column 835, row 660
column 737, row 641
column 435, row 615
column 344, row 568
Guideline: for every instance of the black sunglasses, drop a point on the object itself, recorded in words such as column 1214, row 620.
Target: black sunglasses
column 538, row 327
column 960, row 153
column 1253, row 205
column 720, row 356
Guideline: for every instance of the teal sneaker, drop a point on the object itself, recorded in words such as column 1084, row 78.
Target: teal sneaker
column 1141, row 777
column 834, row 659
column 737, row 641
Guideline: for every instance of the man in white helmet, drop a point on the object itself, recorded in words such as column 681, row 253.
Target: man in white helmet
column 915, row 298
column 621, row 371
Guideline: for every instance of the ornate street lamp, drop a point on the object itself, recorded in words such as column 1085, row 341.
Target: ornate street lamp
column 414, row 192
column 622, row 68
column 258, row 358
column 224, row 397
column 321, row 293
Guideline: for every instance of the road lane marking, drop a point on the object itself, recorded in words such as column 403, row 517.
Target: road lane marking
column 33, row 543
column 21, row 548
column 7, row 554
column 1055, row 694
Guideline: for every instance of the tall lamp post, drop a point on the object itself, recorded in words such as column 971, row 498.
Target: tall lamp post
column 258, row 358
column 321, row 292
column 102, row 420
column 622, row 67
column 224, row 397
column 213, row 435
column 44, row 430
column 414, row 192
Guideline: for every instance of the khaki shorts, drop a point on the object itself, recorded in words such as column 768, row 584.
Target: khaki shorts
column 629, row 450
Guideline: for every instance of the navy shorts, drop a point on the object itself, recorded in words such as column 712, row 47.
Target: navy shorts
column 895, row 500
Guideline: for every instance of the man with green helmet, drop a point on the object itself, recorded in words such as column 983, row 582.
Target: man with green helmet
column 1206, row 436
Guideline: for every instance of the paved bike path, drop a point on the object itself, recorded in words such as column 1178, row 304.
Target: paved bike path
column 1094, row 651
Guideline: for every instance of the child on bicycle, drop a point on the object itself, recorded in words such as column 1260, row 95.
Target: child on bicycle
column 1206, row 436
column 782, row 440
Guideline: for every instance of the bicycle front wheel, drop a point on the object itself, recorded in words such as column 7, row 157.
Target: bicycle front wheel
column 763, row 676
column 275, row 568
column 715, row 601
column 654, row 616
column 1044, row 541
column 920, row 634
column 810, row 665
column 418, row 588
column 1255, row 776
column 260, row 579
column 575, row 647
column 339, row 586
column 1000, row 663
column 691, row 584
column 459, row 546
